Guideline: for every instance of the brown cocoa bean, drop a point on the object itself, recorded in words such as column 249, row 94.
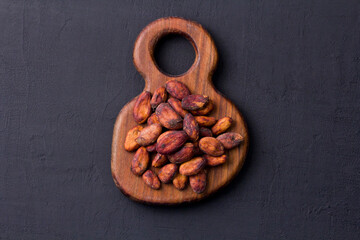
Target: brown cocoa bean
column 205, row 121
column 130, row 143
column 183, row 155
column 194, row 102
column 159, row 96
column 159, row 160
column 167, row 172
column 215, row 161
column 170, row 141
column 140, row 161
column 198, row 182
column 149, row 134
column 222, row 125
column 205, row 110
column 211, row 146
column 205, row 132
column 176, row 105
column 142, row 107
column 168, row 117
column 152, row 119
column 193, row 166
column 230, row 140
column 151, row 179
column 180, row 181
column 191, row 127
column 177, row 89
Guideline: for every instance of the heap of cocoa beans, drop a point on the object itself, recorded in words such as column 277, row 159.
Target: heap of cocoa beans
column 180, row 135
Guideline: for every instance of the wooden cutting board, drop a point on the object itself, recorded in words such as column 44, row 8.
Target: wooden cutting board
column 198, row 80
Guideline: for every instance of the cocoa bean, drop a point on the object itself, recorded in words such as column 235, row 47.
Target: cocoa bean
column 194, row 102
column 193, row 166
column 168, row 117
column 142, row 107
column 170, row 141
column 140, row 161
column 211, row 146
column 177, row 89
column 130, row 143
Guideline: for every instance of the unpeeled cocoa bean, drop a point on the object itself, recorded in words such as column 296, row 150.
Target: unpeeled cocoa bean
column 222, row 125
column 142, row 107
column 193, row 166
column 140, row 161
column 191, row 127
column 176, row 105
column 159, row 160
column 183, row 155
column 167, row 172
column 194, row 102
column 130, row 143
column 211, row 146
column 168, row 117
column 198, row 182
column 170, row 141
column 158, row 97
column 205, row 121
column 177, row 89
column 180, row 181
column 149, row 134
column 205, row 110
column 215, row 161
column 151, row 179
column 230, row 140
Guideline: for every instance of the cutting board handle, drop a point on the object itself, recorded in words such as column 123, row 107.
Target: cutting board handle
column 205, row 50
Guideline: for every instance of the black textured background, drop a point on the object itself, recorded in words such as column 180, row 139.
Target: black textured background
column 291, row 67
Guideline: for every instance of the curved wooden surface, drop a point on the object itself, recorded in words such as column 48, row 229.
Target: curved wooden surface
column 198, row 80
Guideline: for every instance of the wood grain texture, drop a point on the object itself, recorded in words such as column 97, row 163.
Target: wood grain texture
column 198, row 80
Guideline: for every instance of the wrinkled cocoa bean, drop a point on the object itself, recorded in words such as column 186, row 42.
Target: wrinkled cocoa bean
column 211, row 146
column 215, row 161
column 142, row 107
column 193, row 166
column 167, row 172
column 198, row 182
column 180, row 181
column 170, row 141
column 149, row 134
column 222, row 125
column 183, row 155
column 230, row 140
column 168, row 117
column 191, row 127
column 205, row 121
column 130, row 140
column 177, row 89
column 140, row 161
column 151, row 179
column 159, row 96
column 194, row 102
column 205, row 110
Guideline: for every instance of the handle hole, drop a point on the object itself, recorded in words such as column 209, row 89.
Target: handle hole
column 174, row 54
